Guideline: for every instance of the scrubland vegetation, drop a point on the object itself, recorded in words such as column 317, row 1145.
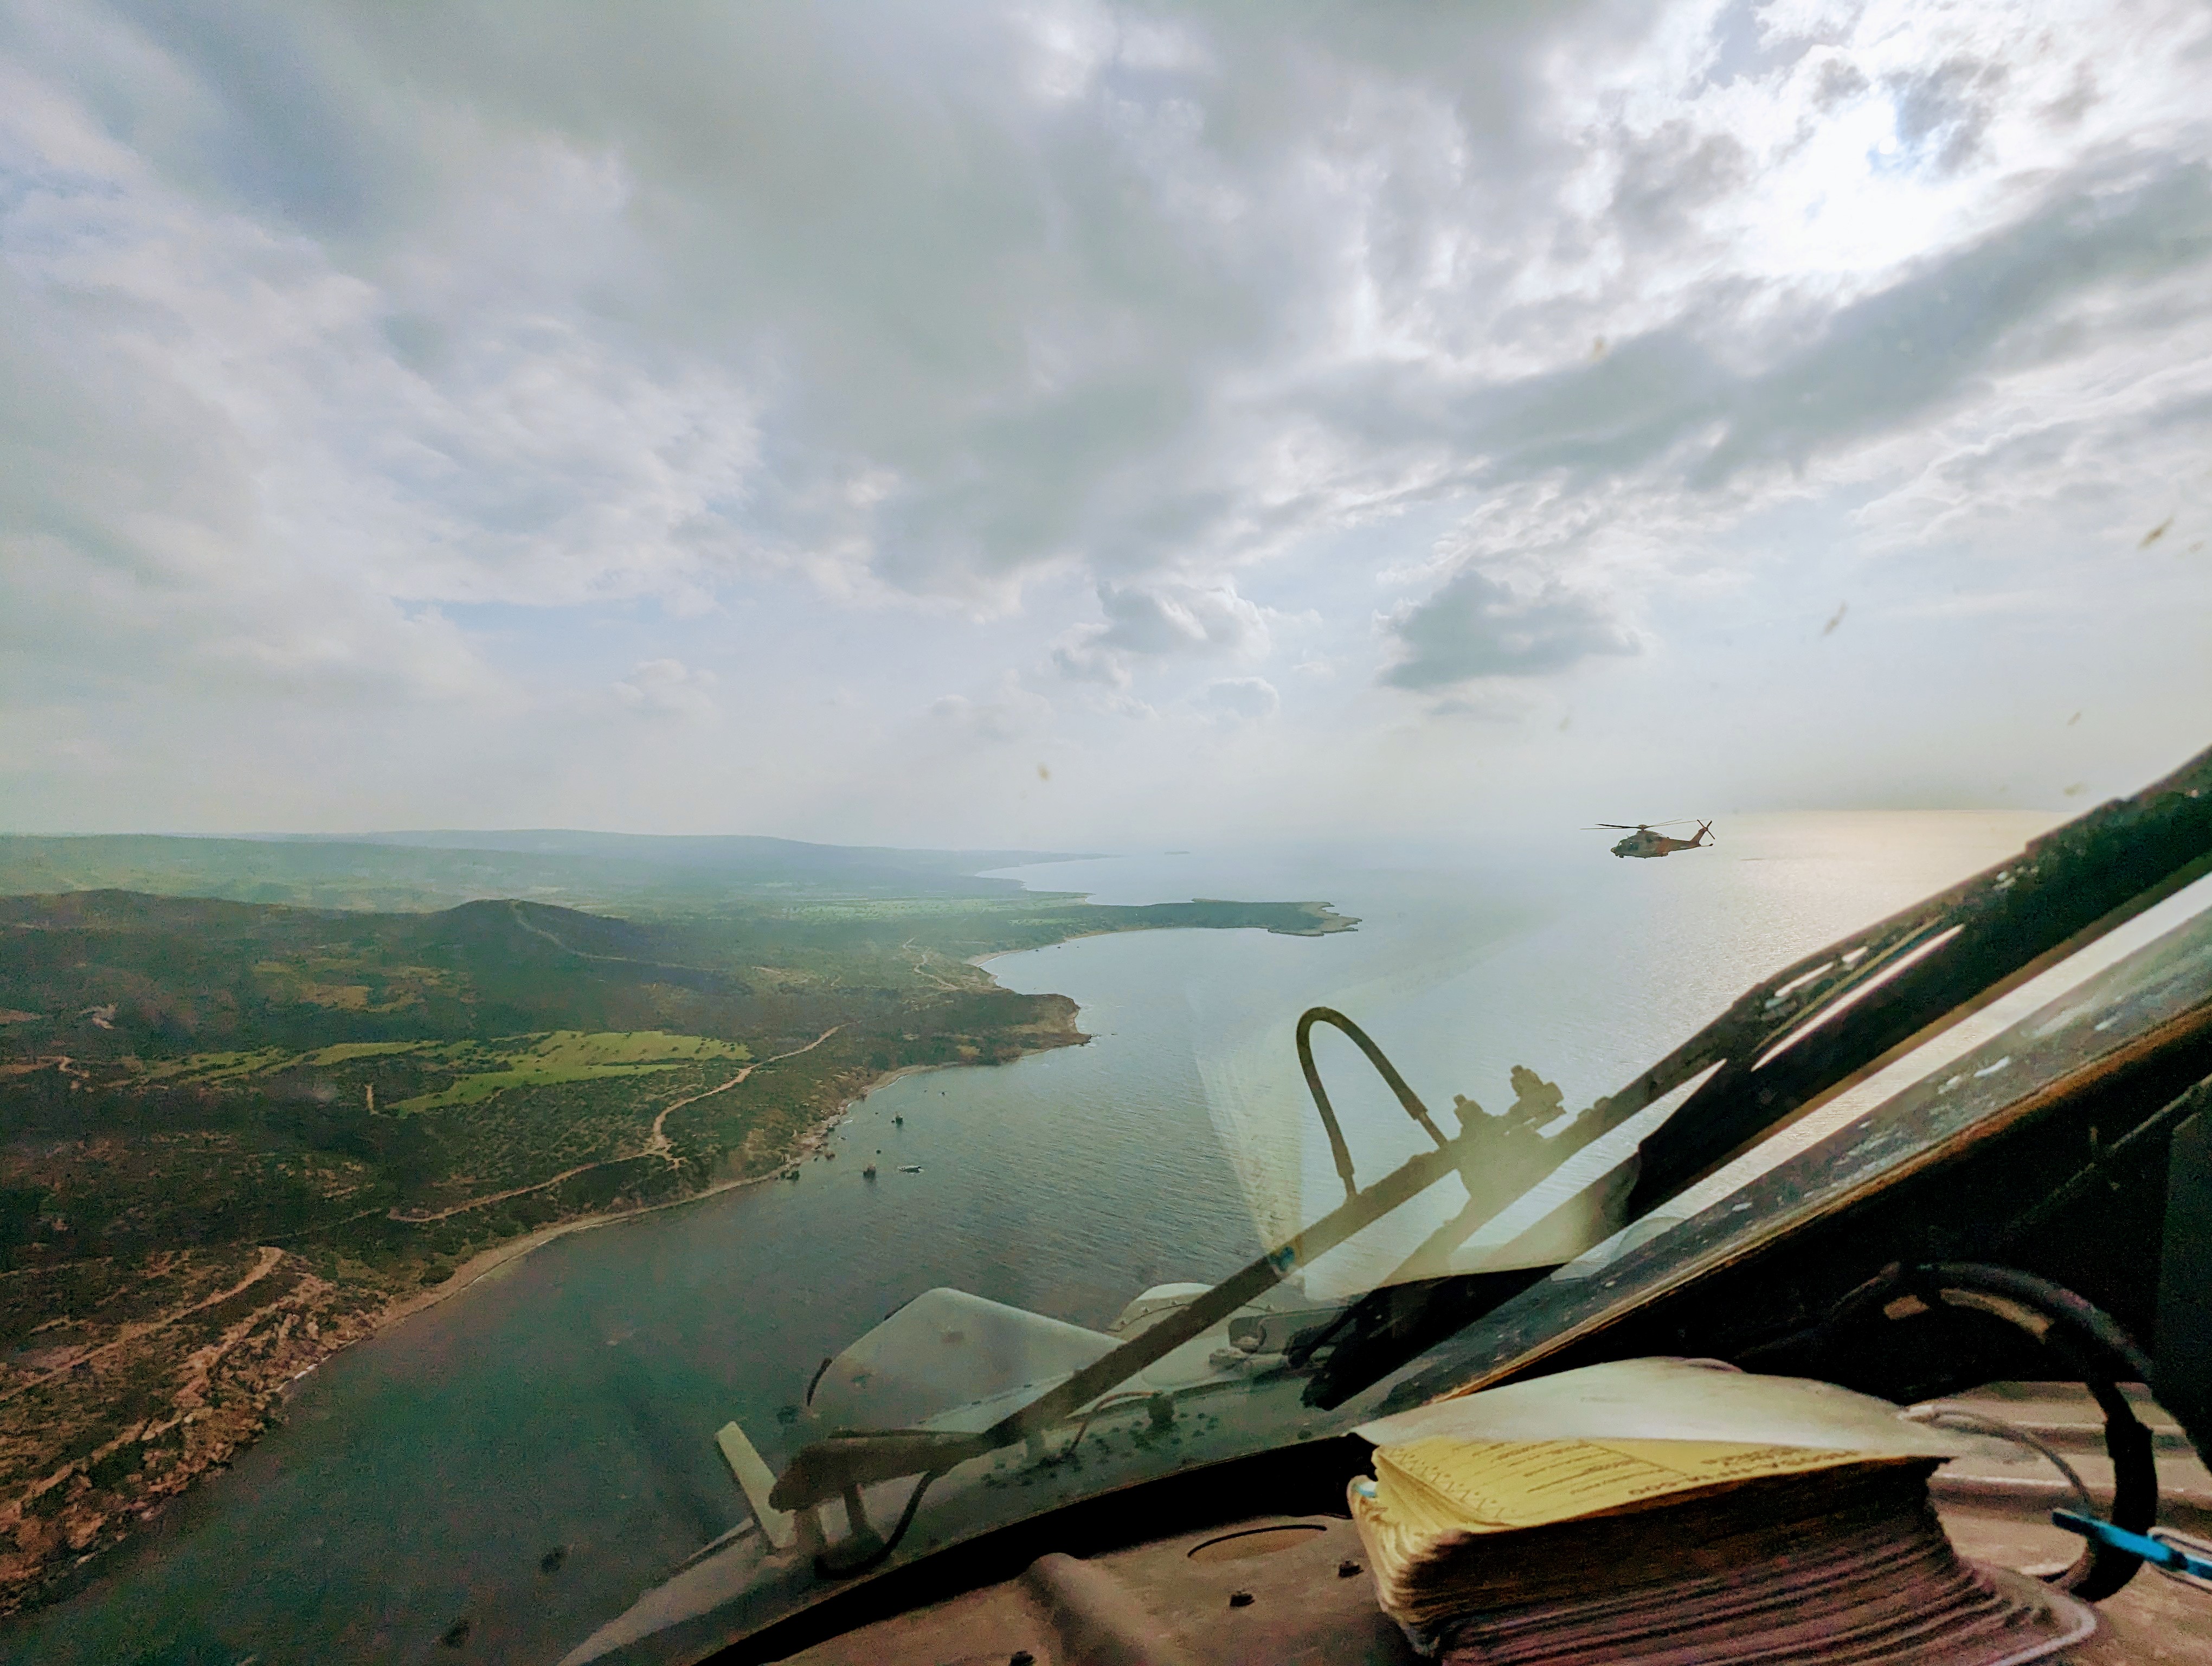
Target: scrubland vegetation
column 235, row 1135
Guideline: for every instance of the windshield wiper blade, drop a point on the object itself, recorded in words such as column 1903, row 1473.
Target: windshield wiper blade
column 833, row 1467
column 850, row 1459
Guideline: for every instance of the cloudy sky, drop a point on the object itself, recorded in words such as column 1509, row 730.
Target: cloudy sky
column 1074, row 424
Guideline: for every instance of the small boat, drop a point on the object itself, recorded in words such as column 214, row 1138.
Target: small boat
column 909, row 1168
column 898, row 1121
column 868, row 1173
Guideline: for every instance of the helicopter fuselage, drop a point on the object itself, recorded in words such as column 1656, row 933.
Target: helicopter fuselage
column 1644, row 842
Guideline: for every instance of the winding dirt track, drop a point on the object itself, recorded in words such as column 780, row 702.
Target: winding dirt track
column 656, row 1145
column 269, row 1257
column 659, row 1143
column 920, row 969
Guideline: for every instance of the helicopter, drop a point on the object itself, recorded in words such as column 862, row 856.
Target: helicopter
column 1644, row 841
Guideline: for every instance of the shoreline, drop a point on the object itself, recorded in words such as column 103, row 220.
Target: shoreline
column 40, row 1586
column 1327, row 923
column 487, row 1263
column 297, row 1310
column 89, row 1526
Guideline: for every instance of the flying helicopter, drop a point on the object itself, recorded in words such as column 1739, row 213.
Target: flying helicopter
column 1646, row 841
column 926, row 1499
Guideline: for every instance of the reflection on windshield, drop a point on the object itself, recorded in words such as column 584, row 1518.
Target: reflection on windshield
column 1016, row 1413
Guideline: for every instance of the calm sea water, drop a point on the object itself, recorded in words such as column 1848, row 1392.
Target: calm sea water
column 571, row 1399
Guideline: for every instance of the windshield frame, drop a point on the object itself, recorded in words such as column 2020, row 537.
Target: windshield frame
column 2116, row 861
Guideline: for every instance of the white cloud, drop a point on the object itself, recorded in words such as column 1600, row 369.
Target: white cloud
column 1248, row 697
column 1476, row 627
column 357, row 359
column 1159, row 622
column 668, row 688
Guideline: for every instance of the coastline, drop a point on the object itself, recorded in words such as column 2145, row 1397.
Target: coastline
column 485, row 1263
column 169, row 1363
column 1327, row 922
column 284, row 1319
column 214, row 1422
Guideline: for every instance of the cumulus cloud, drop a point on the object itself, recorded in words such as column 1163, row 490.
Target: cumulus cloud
column 577, row 311
column 668, row 688
column 1942, row 112
column 269, row 459
column 1161, row 621
column 1249, row 698
column 340, row 342
column 1476, row 626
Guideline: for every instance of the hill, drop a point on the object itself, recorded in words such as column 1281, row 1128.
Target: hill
column 235, row 1135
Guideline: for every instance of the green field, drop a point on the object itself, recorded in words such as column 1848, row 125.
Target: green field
column 478, row 1069
column 323, row 1111
column 570, row 1056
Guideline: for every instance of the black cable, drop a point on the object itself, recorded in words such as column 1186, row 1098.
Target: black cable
column 2089, row 1341
column 1387, row 1071
column 2086, row 1338
column 1109, row 1403
column 825, row 1569
column 2053, row 1301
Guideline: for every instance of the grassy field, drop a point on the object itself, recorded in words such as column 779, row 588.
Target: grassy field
column 477, row 1070
column 569, row 1056
column 234, row 1135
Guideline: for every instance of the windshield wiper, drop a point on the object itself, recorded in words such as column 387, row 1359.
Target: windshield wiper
column 1784, row 1046
column 839, row 1465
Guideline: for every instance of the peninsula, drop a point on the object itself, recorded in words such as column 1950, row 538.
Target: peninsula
column 259, row 1098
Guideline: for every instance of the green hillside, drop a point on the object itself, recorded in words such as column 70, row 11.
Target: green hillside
column 233, row 1134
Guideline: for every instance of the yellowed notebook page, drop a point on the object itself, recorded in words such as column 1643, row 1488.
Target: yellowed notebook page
column 1493, row 1484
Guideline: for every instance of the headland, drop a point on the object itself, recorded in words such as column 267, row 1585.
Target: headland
column 239, row 1137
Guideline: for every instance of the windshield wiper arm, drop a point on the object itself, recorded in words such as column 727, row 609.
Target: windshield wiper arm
column 828, row 1467
column 840, row 1463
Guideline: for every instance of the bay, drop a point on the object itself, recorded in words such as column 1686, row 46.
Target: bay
column 568, row 1402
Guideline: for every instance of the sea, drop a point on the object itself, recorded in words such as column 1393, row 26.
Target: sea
column 515, row 1466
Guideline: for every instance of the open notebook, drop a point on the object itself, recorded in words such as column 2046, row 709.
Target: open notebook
column 1660, row 1511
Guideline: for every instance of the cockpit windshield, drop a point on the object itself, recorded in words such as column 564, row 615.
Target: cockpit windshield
column 958, row 1416
column 788, row 791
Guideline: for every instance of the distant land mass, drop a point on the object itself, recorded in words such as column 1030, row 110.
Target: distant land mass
column 427, row 870
column 260, row 1098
